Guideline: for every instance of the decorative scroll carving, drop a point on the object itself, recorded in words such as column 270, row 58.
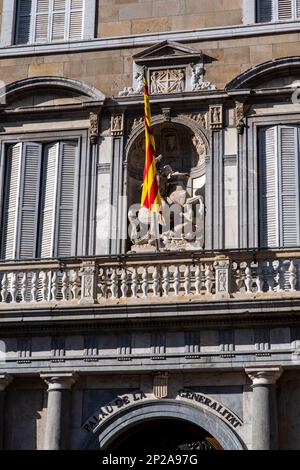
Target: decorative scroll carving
column 197, row 79
column 94, row 127
column 200, row 149
column 167, row 81
column 199, row 118
column 216, row 117
column 134, row 123
column 240, row 117
column 117, row 125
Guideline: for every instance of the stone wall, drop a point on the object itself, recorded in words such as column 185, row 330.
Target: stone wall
column 122, row 18
column 111, row 70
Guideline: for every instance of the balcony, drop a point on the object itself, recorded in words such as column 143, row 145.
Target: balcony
column 150, row 279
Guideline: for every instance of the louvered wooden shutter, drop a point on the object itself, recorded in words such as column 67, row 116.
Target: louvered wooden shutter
column 285, row 9
column 23, row 23
column 76, row 19
column 41, row 21
column 264, row 11
column 297, row 8
column 268, row 188
column 65, row 205
column 59, row 20
column 288, row 186
column 9, row 232
column 29, row 200
column 48, row 204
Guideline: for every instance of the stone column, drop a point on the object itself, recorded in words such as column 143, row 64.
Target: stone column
column 58, row 410
column 264, row 407
column 5, row 380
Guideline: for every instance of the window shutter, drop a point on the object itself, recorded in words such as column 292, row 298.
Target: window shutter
column 48, row 204
column 59, row 20
column 297, row 8
column 265, row 11
column 268, row 190
column 29, row 200
column 23, row 26
column 289, row 193
column 66, row 190
column 76, row 19
column 285, row 10
column 42, row 21
column 11, row 201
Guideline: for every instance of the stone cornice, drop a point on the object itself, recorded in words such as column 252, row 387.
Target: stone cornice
column 144, row 40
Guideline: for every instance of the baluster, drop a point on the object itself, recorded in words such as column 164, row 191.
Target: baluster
column 75, row 285
column 33, row 287
column 208, row 278
column 292, row 277
column 113, row 284
column 64, row 288
column 270, row 277
column 239, row 280
column 13, row 287
column 165, row 284
column 124, row 285
column 187, row 281
column 176, row 280
column 280, row 277
column 24, row 287
column 54, row 286
column 43, row 275
column 145, row 283
column 4, row 287
column 155, row 283
column 248, row 279
column 259, row 278
column 198, row 280
column 134, row 284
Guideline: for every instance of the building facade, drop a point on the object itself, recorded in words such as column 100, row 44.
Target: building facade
column 105, row 341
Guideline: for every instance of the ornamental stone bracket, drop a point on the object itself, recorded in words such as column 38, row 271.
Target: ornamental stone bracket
column 240, row 121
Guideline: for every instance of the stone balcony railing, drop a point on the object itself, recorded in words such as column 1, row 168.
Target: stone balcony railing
column 160, row 277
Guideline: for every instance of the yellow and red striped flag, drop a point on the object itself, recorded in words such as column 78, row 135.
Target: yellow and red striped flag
column 151, row 198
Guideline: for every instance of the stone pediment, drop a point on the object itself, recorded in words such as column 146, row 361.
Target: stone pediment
column 168, row 51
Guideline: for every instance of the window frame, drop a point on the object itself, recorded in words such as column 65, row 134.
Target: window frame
column 9, row 17
column 275, row 13
column 81, row 209
column 250, row 14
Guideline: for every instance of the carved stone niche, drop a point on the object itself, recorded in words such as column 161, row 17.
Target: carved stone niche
column 171, row 68
column 181, row 173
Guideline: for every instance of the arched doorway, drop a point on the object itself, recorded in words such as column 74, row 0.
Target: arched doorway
column 184, row 418
column 164, row 435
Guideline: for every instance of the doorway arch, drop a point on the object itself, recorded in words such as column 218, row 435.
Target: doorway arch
column 191, row 416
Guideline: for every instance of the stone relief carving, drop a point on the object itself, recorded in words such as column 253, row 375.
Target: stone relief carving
column 216, row 117
column 199, row 118
column 181, row 225
column 240, row 117
column 139, row 86
column 167, row 81
column 117, row 125
column 94, row 127
column 200, row 149
column 197, row 79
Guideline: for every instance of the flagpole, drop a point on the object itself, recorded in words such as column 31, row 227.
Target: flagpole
column 156, row 230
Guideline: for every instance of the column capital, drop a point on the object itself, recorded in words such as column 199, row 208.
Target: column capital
column 60, row 380
column 264, row 375
column 5, row 380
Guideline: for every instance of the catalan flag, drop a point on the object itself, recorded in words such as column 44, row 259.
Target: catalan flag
column 150, row 192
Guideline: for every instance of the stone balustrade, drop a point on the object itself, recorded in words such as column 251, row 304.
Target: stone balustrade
column 159, row 277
